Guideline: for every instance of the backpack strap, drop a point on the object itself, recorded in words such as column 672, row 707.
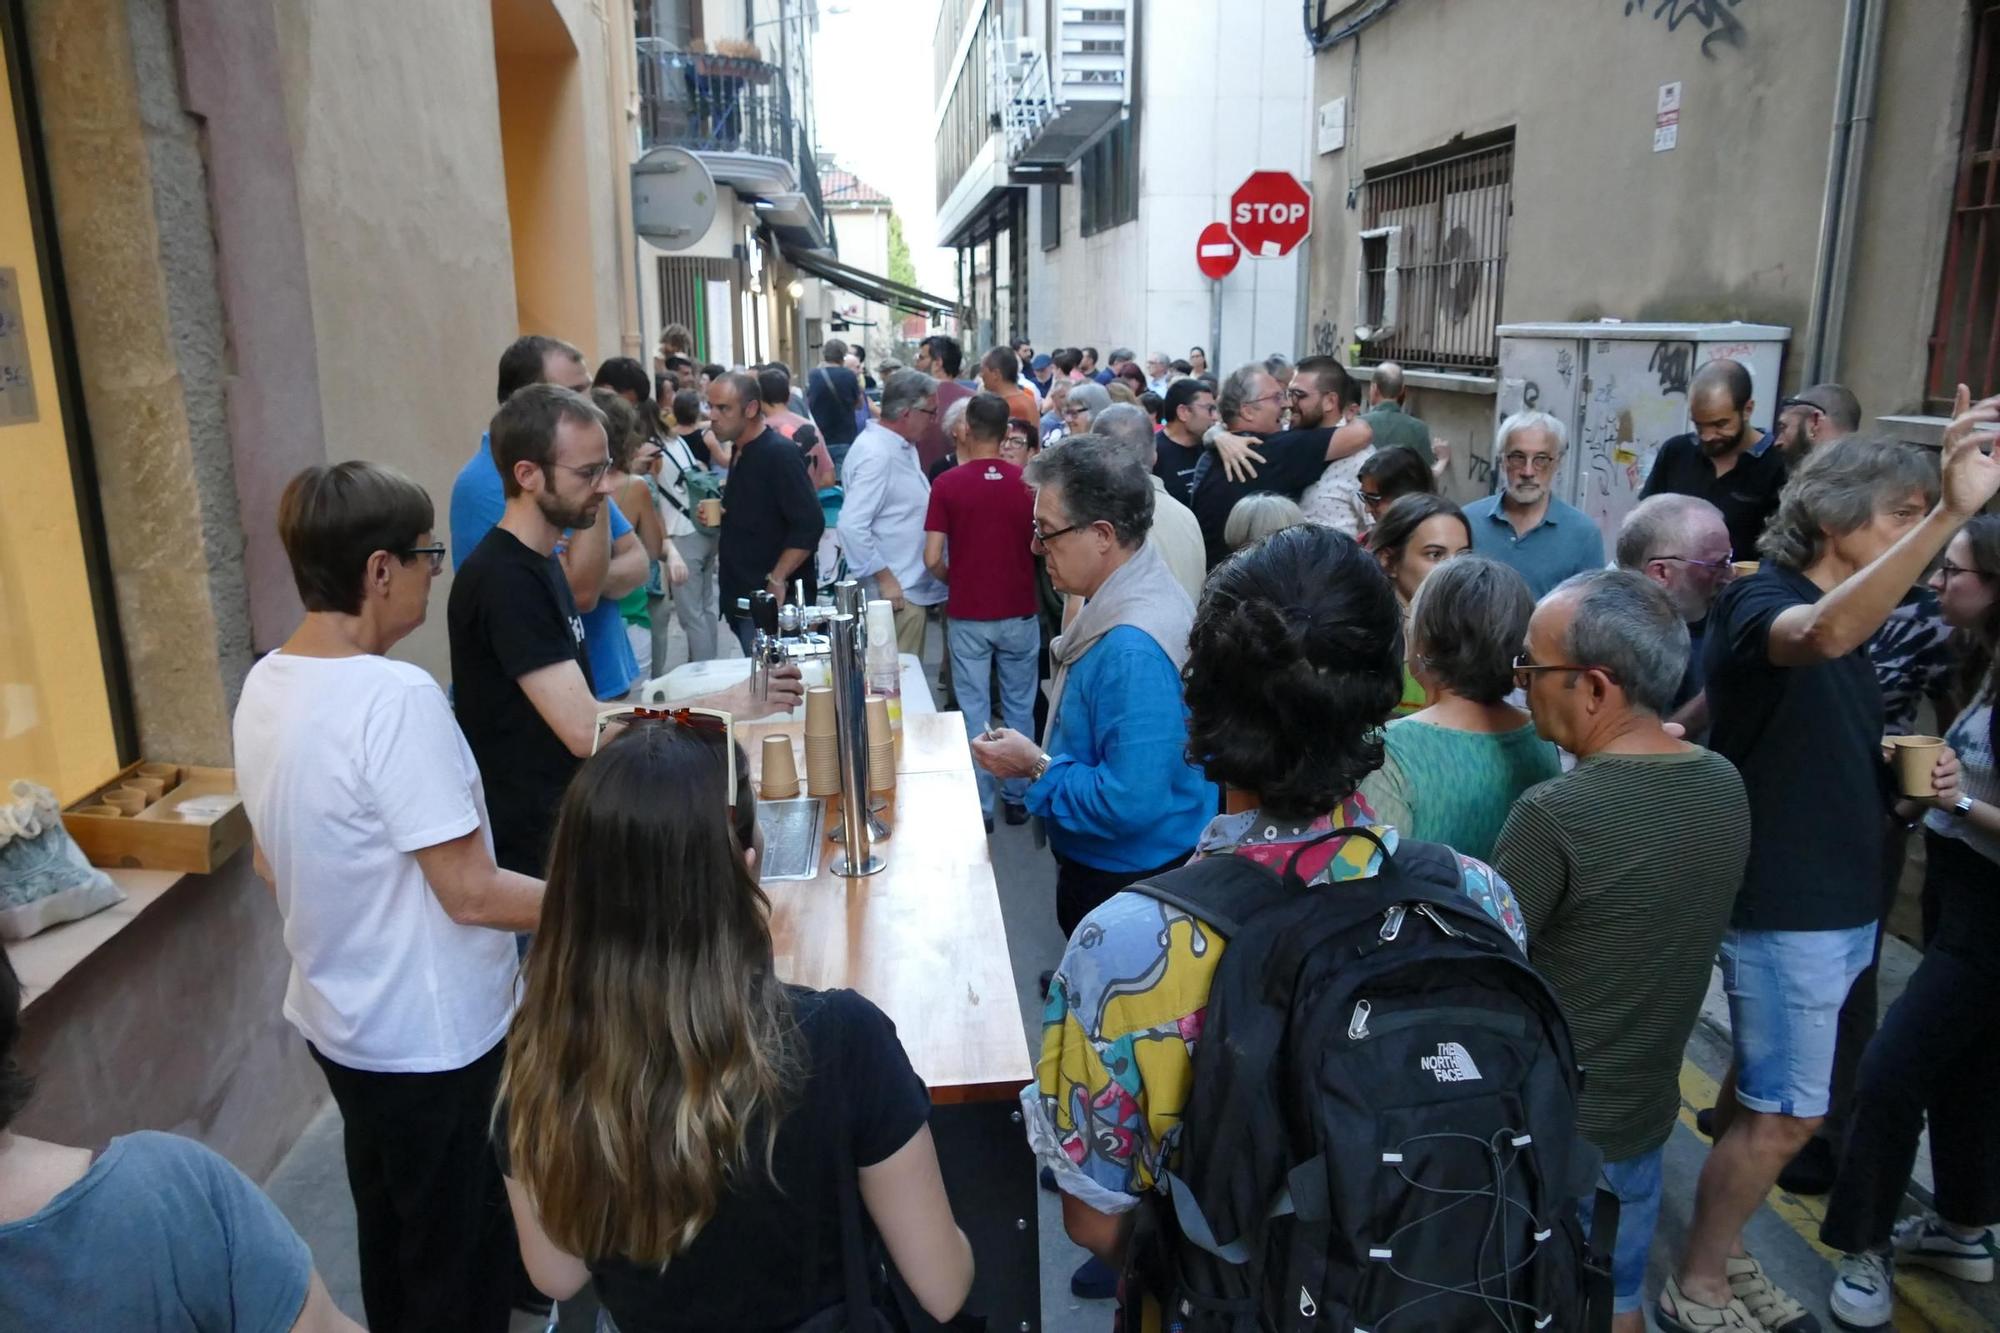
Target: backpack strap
column 1219, row 891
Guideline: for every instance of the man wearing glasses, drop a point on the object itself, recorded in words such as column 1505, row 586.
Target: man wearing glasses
column 1681, row 543
column 1523, row 524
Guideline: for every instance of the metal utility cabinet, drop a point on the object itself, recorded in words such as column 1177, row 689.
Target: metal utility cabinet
column 1622, row 390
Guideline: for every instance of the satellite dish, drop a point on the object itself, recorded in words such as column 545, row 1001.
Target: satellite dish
column 673, row 198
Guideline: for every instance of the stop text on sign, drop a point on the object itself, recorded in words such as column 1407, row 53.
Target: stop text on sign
column 1276, row 215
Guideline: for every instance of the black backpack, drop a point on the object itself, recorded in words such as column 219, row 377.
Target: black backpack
column 1381, row 1131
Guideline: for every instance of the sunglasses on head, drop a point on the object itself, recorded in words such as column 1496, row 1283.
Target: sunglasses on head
column 615, row 722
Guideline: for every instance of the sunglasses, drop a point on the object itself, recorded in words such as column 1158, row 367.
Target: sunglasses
column 615, row 722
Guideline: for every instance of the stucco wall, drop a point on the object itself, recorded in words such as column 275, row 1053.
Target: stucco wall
column 1221, row 92
column 1724, row 226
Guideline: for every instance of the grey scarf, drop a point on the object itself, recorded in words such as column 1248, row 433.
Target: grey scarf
column 1142, row 593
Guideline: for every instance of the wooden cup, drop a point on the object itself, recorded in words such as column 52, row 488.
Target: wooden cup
column 1915, row 757
column 780, row 774
column 100, row 811
column 153, row 788
column 169, row 775
column 128, row 801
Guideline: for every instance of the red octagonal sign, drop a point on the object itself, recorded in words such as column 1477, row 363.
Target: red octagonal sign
column 1270, row 213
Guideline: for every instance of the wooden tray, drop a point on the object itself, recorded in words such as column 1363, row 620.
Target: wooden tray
column 158, row 838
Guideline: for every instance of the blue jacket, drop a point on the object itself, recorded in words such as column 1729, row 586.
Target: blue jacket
column 1119, row 793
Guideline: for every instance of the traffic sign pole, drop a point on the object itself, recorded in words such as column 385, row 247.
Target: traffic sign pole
column 1215, row 360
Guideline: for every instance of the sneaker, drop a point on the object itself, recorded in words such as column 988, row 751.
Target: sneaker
column 1864, row 1290
column 1676, row 1311
column 1812, row 1171
column 1093, row 1281
column 1766, row 1300
column 1927, row 1243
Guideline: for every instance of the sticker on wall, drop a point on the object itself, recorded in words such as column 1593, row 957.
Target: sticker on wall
column 17, row 376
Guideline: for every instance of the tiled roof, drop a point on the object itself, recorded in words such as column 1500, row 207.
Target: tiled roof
column 839, row 186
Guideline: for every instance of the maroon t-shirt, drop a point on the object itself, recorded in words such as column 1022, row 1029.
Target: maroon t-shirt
column 987, row 515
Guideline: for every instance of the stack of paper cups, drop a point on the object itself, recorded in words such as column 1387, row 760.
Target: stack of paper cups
column 779, row 779
column 881, row 621
column 881, row 746
column 822, row 743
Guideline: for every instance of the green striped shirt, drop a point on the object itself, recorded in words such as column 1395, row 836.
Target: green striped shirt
column 1627, row 868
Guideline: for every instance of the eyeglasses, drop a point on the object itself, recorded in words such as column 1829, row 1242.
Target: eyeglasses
column 1076, row 409
column 593, row 474
column 1016, row 441
column 1041, row 539
column 615, row 722
column 1729, row 559
column 929, row 410
column 1372, row 498
column 434, row 551
column 1949, row 571
column 1539, row 462
column 1267, row 398
column 1524, row 670
column 1297, row 395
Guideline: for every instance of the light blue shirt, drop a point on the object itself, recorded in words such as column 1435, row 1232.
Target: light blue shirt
column 1565, row 542
column 1119, row 793
column 882, row 508
column 477, row 502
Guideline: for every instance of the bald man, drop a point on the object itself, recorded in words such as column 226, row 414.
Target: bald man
column 1725, row 460
column 1386, row 417
column 1816, row 416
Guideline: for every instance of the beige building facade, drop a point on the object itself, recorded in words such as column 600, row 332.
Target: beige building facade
column 1643, row 160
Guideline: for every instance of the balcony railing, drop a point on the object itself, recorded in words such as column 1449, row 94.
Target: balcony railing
column 716, row 104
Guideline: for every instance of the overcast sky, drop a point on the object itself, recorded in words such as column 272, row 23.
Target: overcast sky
column 872, row 85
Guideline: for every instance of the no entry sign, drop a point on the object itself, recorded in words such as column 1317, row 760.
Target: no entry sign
column 1270, row 213
column 1216, row 252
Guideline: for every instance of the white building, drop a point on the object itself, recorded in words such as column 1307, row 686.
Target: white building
column 1078, row 166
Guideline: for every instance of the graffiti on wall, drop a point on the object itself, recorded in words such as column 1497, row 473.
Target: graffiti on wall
column 1716, row 18
column 1325, row 337
column 1671, row 361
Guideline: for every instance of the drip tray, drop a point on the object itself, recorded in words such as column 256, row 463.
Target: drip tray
column 792, row 838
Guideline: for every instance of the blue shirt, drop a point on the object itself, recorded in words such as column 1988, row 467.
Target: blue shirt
column 477, row 502
column 1119, row 793
column 1566, row 542
column 159, row 1233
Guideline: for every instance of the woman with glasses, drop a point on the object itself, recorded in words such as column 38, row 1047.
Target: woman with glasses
column 1451, row 770
column 1388, row 476
column 679, row 1127
column 1080, row 407
column 1937, row 1056
column 1415, row 535
column 371, row 825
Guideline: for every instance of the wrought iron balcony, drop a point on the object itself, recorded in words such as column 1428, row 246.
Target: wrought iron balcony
column 736, row 113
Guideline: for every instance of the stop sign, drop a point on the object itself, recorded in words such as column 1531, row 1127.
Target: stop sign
column 1270, row 213
column 1215, row 253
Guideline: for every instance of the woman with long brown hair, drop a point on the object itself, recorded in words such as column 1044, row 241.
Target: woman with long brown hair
column 675, row 1121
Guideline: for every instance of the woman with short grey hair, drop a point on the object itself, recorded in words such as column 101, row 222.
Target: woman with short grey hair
column 1453, row 769
column 1110, row 781
column 1257, row 516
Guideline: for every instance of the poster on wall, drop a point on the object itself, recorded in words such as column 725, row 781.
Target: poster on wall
column 721, row 323
column 17, row 377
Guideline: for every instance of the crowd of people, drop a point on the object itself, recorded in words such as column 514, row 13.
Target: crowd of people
column 1185, row 617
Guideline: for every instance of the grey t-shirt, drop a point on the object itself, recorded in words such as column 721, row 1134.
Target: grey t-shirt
column 160, row 1233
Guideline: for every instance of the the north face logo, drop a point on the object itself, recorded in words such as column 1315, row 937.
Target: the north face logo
column 1452, row 1064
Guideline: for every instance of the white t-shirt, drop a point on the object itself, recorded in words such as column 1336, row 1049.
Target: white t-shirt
column 349, row 766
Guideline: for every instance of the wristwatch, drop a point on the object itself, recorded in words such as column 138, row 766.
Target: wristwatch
column 1962, row 806
column 1042, row 762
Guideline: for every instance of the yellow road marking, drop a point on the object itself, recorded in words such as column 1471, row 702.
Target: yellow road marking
column 1925, row 1301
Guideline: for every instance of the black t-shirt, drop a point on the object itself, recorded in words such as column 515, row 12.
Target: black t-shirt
column 1174, row 466
column 771, row 1255
column 833, row 394
column 696, row 441
column 1807, row 741
column 511, row 613
column 1293, row 460
column 768, row 507
column 1747, row 494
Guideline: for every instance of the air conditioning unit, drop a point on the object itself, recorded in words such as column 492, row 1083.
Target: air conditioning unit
column 1378, row 284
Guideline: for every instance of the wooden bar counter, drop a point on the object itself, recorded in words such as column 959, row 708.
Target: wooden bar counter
column 923, row 937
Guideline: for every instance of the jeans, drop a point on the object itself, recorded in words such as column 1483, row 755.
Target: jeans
column 1859, row 1015
column 1638, row 1183
column 1785, row 991
column 434, row 1234
column 694, row 601
column 976, row 646
column 1938, row 1053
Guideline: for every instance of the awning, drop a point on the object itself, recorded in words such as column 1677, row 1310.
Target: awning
column 870, row 286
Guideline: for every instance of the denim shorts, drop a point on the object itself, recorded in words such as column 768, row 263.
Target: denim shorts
column 1785, row 991
column 1637, row 1183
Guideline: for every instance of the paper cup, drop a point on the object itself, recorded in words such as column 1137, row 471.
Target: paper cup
column 780, row 774
column 1745, row 568
column 882, row 766
column 821, row 720
column 879, row 732
column 1915, row 757
column 822, row 765
column 169, row 775
column 708, row 513
column 129, row 802
column 100, row 811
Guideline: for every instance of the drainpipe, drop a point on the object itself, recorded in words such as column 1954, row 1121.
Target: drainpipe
column 1853, row 117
